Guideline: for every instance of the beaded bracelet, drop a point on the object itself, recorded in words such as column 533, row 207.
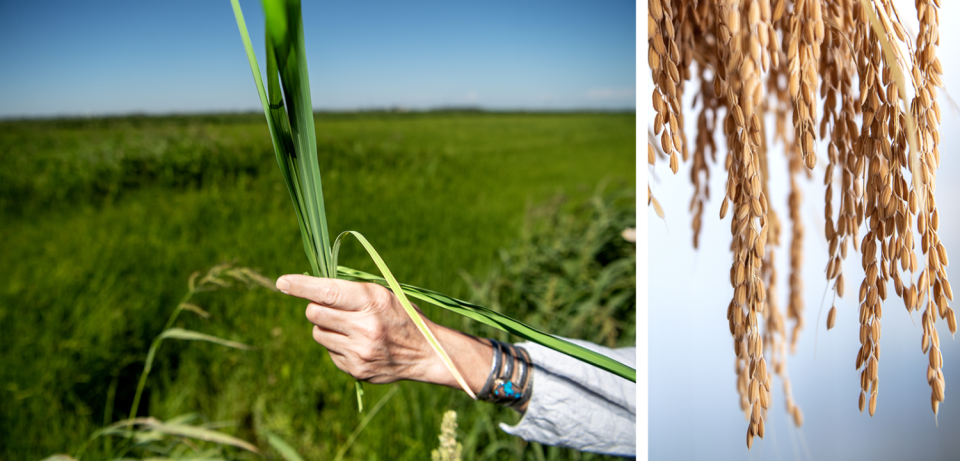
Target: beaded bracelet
column 511, row 376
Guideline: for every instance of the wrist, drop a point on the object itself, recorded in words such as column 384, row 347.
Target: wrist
column 471, row 355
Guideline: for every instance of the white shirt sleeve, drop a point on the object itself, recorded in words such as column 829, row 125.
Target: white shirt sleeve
column 576, row 405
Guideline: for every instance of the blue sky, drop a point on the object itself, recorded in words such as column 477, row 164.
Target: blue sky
column 110, row 57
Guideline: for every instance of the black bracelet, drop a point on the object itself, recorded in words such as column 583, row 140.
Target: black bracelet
column 501, row 389
column 511, row 376
column 484, row 393
column 526, row 380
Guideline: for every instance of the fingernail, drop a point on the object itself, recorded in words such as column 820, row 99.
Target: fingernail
column 283, row 285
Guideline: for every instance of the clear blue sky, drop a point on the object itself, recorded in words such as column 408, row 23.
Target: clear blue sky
column 112, row 57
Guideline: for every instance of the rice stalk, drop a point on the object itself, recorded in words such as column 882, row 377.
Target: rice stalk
column 289, row 113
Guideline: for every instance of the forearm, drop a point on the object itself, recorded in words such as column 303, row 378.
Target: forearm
column 470, row 354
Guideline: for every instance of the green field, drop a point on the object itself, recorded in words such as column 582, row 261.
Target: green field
column 103, row 220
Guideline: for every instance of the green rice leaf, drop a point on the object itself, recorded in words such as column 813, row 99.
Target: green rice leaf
column 278, row 126
column 276, row 19
column 291, row 125
column 501, row 322
column 254, row 67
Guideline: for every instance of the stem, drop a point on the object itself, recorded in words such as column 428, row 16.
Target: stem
column 108, row 410
column 152, row 352
column 143, row 378
column 365, row 421
column 179, row 308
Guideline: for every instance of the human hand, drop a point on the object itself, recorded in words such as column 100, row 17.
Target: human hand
column 370, row 336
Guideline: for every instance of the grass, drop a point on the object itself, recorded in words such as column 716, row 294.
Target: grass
column 103, row 220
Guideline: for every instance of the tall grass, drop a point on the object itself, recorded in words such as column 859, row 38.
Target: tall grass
column 187, row 437
column 176, row 438
column 571, row 271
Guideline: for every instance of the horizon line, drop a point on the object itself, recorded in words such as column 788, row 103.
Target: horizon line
column 394, row 109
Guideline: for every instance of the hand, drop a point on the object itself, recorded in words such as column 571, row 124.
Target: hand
column 370, row 336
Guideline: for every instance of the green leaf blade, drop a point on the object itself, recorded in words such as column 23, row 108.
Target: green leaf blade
column 281, row 446
column 201, row 433
column 190, row 335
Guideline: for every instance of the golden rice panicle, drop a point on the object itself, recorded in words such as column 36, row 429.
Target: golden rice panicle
column 728, row 24
column 795, row 299
column 704, row 145
column 774, row 342
column 701, row 21
column 806, row 32
column 665, row 62
column 775, row 345
column 741, row 59
column 881, row 146
column 840, row 108
column 932, row 283
column 781, row 104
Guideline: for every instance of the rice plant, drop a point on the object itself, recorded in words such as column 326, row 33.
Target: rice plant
column 288, row 108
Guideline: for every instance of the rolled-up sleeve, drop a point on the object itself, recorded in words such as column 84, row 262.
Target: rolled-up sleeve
column 576, row 405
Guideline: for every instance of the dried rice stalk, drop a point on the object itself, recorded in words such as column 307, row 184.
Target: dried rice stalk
column 665, row 62
column 926, row 112
column 806, row 28
column 700, row 170
column 880, row 171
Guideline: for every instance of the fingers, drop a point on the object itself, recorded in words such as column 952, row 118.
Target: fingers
column 338, row 294
column 335, row 342
column 330, row 319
